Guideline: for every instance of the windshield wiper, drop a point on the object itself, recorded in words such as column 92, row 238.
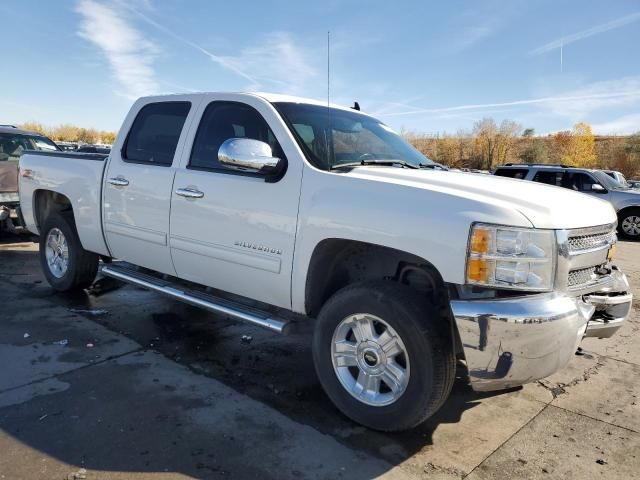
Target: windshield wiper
column 363, row 163
column 433, row 166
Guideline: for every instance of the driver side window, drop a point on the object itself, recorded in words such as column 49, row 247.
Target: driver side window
column 581, row 182
column 222, row 121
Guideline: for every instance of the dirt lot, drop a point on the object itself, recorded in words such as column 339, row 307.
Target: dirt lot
column 124, row 384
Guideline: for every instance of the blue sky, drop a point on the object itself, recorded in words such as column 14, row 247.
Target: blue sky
column 424, row 66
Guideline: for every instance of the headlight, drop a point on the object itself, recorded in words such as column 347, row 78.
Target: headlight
column 511, row 257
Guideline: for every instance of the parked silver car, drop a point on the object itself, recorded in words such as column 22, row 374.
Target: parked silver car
column 625, row 200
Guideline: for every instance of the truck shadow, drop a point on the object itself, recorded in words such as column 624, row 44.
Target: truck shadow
column 204, row 397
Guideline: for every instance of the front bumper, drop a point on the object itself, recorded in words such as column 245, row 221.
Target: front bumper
column 512, row 341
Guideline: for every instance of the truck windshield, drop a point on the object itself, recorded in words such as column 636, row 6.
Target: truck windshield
column 331, row 137
column 12, row 145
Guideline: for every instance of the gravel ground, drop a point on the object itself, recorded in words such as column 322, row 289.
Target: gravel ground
column 120, row 383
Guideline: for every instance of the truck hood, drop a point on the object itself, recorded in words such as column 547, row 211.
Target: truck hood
column 544, row 206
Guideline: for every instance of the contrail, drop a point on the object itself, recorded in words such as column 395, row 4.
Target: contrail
column 605, row 27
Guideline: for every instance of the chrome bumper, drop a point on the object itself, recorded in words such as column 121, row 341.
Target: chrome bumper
column 612, row 306
column 512, row 341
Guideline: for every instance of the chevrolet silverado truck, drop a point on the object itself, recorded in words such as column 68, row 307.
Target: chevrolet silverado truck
column 276, row 210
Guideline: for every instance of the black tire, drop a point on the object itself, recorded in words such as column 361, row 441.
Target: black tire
column 426, row 336
column 628, row 214
column 82, row 265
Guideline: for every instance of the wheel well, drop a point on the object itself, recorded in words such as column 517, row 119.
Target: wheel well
column 46, row 202
column 336, row 263
column 624, row 210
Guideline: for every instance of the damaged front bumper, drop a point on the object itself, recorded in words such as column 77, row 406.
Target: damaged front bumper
column 516, row 340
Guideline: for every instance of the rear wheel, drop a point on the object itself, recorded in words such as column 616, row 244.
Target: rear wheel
column 383, row 355
column 629, row 223
column 66, row 265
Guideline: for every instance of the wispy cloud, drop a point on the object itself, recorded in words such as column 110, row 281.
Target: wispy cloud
column 602, row 28
column 571, row 104
column 529, row 101
column 129, row 53
column 473, row 34
column 220, row 60
column 625, row 125
column 277, row 61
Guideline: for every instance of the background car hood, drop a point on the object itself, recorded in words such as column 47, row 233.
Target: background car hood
column 8, row 177
column 544, row 206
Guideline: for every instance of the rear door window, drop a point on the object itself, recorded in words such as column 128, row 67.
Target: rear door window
column 552, row 177
column 155, row 133
column 519, row 173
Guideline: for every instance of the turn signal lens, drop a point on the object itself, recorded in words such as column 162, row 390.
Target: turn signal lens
column 612, row 252
column 480, row 240
column 477, row 270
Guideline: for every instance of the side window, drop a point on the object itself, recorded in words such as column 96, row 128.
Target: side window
column 581, row 182
column 519, row 173
column 155, row 132
column 549, row 177
column 222, row 121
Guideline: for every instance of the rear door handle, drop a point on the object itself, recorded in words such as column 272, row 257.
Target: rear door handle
column 119, row 182
column 189, row 193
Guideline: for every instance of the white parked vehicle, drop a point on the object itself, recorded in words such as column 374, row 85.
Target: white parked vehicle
column 285, row 205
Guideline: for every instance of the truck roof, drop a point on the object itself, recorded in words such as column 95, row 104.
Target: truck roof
column 269, row 97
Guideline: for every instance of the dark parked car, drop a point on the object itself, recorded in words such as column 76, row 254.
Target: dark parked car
column 13, row 141
column 93, row 149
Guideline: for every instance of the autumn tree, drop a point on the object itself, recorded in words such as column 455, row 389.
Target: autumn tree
column 448, row 151
column 87, row 135
column 107, row 137
column 494, row 143
column 34, row 127
column 576, row 147
column 65, row 133
column 626, row 157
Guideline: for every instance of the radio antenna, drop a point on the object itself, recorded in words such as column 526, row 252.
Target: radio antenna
column 329, row 134
column 328, row 67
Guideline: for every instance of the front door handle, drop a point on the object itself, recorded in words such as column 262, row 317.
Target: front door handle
column 189, row 193
column 119, row 182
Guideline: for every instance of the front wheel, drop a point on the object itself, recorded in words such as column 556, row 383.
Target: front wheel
column 383, row 355
column 66, row 265
column 629, row 223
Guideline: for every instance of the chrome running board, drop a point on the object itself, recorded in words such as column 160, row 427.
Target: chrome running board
column 195, row 298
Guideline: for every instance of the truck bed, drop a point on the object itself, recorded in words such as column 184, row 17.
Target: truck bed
column 77, row 176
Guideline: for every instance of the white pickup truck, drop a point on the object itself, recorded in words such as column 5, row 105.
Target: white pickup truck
column 273, row 210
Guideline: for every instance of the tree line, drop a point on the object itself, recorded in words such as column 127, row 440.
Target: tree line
column 488, row 145
column 71, row 133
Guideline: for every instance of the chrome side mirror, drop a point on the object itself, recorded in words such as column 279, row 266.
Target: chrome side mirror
column 248, row 155
column 596, row 187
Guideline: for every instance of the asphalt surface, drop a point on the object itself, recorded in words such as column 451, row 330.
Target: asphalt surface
column 119, row 383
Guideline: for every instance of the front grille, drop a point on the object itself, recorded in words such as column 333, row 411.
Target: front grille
column 582, row 276
column 587, row 253
column 591, row 241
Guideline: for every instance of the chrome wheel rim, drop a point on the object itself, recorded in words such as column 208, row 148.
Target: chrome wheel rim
column 370, row 359
column 631, row 225
column 57, row 253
